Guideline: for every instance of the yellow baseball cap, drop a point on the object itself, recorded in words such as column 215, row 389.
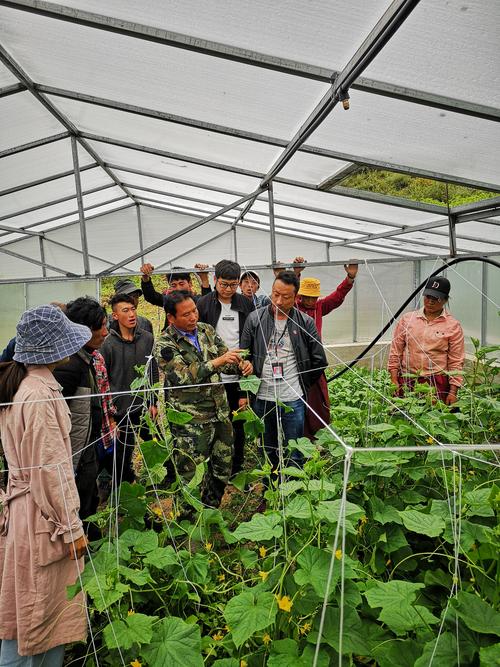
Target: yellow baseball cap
column 310, row 287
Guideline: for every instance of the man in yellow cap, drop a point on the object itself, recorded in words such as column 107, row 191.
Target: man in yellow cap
column 309, row 301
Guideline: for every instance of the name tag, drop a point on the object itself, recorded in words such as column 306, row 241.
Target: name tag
column 277, row 371
column 228, row 318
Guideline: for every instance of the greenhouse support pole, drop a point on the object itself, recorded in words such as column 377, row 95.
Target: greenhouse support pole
column 270, row 197
column 182, row 232
column 355, row 313
column 42, row 256
column 235, row 244
column 328, row 259
column 484, row 304
column 392, row 19
column 417, row 276
column 37, row 262
column 20, row 148
column 139, row 229
column 46, row 179
column 81, row 213
column 452, row 234
column 191, row 250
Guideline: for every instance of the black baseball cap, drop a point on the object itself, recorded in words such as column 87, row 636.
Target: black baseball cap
column 126, row 286
column 438, row 287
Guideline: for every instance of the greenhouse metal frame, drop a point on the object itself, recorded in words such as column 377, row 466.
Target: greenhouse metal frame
column 77, row 160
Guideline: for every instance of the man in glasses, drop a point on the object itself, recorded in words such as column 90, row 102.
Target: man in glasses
column 227, row 310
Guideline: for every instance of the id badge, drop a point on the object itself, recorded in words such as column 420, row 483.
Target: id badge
column 277, row 371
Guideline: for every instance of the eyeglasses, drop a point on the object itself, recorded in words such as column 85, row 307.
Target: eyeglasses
column 223, row 285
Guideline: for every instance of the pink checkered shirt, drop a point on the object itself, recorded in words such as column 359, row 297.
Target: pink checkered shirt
column 427, row 347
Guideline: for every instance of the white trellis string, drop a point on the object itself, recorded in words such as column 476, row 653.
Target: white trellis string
column 349, row 453
column 340, row 523
column 60, row 469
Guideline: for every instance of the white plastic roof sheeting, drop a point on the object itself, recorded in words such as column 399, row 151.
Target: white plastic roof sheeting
column 124, row 123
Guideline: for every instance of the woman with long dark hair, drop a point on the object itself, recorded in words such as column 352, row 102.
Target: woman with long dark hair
column 41, row 535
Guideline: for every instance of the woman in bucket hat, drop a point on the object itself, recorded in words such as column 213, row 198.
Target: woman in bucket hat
column 428, row 345
column 41, row 537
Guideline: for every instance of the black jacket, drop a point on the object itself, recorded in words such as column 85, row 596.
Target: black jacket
column 210, row 309
column 121, row 357
column 8, row 353
column 309, row 352
column 142, row 322
column 77, row 378
column 158, row 299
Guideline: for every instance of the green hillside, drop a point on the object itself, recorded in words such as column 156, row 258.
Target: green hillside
column 412, row 187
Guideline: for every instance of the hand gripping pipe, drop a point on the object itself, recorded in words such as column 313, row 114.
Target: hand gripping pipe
column 457, row 260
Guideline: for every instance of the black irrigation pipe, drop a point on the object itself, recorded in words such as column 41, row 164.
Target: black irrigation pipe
column 457, row 260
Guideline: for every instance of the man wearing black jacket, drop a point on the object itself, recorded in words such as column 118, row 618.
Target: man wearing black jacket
column 227, row 310
column 177, row 281
column 287, row 354
column 126, row 347
column 127, row 286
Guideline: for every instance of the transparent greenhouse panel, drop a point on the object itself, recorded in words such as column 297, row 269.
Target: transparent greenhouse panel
column 299, row 32
column 59, row 290
column 493, row 307
column 28, row 121
column 337, row 325
column 465, row 298
column 381, row 290
column 13, row 304
column 430, row 138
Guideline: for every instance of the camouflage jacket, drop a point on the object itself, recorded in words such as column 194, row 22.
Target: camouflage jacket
column 184, row 365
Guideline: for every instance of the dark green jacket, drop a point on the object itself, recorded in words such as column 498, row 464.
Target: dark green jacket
column 184, row 366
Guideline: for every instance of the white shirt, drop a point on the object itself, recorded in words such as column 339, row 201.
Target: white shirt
column 280, row 350
column 228, row 328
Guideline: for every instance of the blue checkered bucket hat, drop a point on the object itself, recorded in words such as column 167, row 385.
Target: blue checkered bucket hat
column 45, row 335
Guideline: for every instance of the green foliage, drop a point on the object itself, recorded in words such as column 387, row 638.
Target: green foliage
column 135, row 628
column 249, row 612
column 176, row 644
column 416, row 547
column 413, row 187
column 250, row 383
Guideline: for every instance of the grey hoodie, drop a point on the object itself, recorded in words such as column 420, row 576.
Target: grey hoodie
column 121, row 357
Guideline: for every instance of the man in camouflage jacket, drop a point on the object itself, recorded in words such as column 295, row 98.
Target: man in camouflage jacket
column 192, row 356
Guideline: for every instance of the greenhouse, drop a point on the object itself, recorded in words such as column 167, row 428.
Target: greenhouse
column 344, row 150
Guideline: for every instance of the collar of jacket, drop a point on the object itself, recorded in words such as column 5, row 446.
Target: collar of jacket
column 43, row 374
column 236, row 301
column 292, row 315
column 116, row 333
column 175, row 334
column 85, row 356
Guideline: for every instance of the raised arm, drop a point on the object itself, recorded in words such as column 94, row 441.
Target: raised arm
column 148, row 290
column 336, row 298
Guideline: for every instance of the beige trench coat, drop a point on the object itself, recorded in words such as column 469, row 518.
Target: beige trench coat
column 38, row 521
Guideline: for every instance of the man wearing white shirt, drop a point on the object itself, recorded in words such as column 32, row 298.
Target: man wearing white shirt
column 226, row 310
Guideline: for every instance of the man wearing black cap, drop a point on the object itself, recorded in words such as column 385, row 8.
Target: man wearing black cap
column 127, row 286
column 428, row 345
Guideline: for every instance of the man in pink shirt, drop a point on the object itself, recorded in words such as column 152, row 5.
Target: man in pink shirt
column 428, row 345
column 310, row 302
